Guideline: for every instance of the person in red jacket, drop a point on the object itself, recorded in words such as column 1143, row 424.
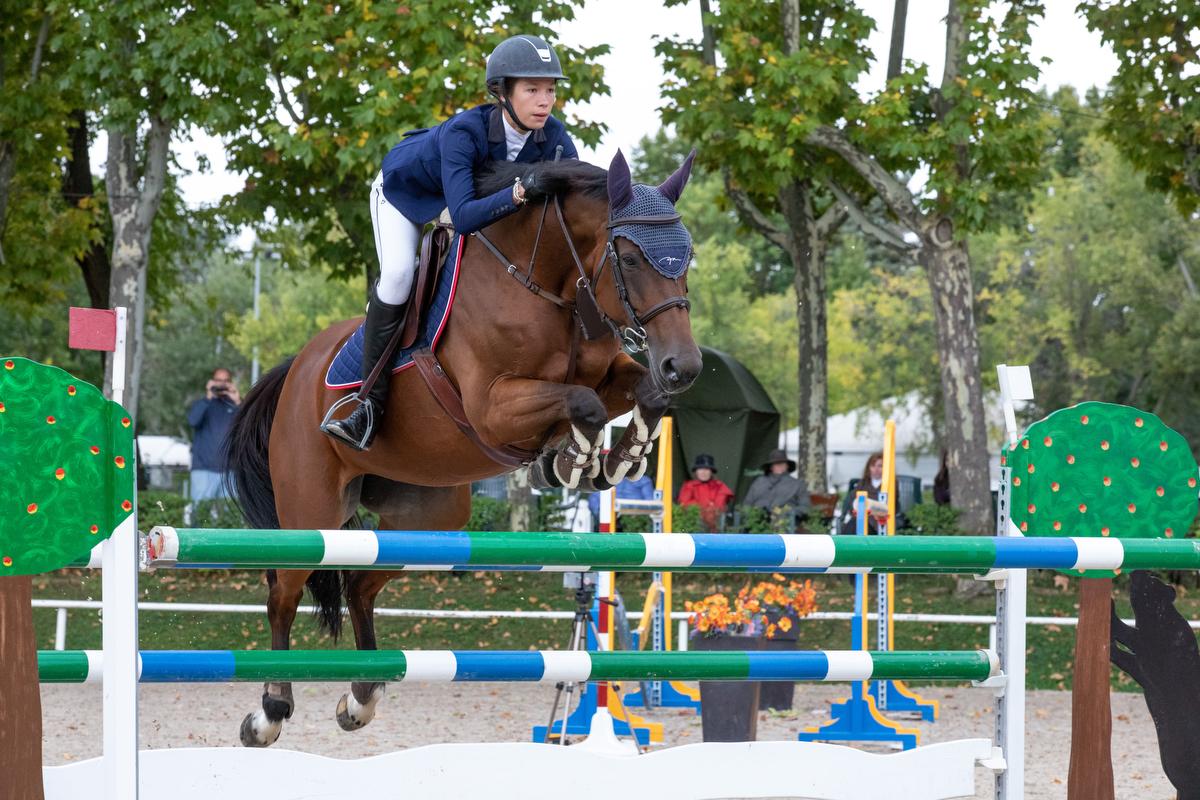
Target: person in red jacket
column 707, row 491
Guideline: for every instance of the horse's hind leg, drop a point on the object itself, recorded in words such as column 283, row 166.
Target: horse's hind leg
column 261, row 728
column 400, row 507
column 357, row 707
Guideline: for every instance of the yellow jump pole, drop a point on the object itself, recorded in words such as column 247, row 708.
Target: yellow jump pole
column 894, row 695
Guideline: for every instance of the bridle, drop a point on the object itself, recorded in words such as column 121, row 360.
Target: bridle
column 592, row 320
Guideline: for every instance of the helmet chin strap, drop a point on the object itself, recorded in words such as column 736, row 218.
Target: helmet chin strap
column 512, row 113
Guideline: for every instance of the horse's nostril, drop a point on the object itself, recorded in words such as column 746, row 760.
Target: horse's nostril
column 668, row 370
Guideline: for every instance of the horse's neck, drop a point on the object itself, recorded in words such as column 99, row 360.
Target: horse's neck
column 554, row 268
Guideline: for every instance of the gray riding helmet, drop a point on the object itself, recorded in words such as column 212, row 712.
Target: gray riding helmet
column 521, row 57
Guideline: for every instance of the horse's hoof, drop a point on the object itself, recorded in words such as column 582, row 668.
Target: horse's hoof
column 352, row 721
column 258, row 731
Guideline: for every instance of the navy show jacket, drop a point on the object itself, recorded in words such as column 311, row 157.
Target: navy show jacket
column 434, row 168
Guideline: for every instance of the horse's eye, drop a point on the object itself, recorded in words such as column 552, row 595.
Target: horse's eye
column 629, row 260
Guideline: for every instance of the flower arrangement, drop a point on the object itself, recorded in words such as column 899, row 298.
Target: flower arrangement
column 767, row 607
column 713, row 616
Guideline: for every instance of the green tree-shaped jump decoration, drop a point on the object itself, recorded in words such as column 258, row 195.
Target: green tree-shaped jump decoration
column 1098, row 469
column 67, row 484
column 68, row 468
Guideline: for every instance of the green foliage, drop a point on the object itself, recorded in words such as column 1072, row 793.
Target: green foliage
column 303, row 303
column 488, row 514
column 1091, row 292
column 1151, row 109
column 933, row 519
column 160, row 508
column 218, row 513
column 686, row 519
column 980, row 137
column 1097, row 284
column 40, row 234
column 755, row 520
column 759, row 331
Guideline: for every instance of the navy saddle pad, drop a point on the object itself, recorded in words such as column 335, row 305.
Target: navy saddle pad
column 346, row 370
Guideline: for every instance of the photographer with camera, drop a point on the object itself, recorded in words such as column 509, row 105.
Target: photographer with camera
column 210, row 418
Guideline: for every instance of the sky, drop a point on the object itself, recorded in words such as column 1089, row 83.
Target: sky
column 634, row 74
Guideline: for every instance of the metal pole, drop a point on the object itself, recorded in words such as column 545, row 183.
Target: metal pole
column 257, row 313
column 119, row 585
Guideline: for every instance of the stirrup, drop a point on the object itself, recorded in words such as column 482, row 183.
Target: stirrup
column 336, row 432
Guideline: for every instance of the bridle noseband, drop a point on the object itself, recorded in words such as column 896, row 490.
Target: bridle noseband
column 592, row 320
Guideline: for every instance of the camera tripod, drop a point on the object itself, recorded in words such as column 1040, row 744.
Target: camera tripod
column 582, row 624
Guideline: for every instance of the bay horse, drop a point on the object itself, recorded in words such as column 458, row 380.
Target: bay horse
column 527, row 378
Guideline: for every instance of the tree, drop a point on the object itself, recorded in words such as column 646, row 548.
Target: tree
column 740, row 110
column 149, row 68
column 1151, row 112
column 336, row 87
column 780, row 112
column 39, row 234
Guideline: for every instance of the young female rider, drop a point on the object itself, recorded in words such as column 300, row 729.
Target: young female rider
column 434, row 168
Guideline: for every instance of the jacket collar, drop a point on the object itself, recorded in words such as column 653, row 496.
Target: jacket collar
column 496, row 128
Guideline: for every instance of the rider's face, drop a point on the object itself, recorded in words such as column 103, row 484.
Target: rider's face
column 533, row 100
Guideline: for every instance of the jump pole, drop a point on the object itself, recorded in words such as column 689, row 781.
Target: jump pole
column 893, row 695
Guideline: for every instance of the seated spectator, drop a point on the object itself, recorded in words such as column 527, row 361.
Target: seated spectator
column 870, row 482
column 641, row 489
column 782, row 496
column 706, row 491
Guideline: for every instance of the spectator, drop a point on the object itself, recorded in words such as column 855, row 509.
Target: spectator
column 641, row 489
column 210, row 418
column 782, row 496
column 870, row 482
column 706, row 491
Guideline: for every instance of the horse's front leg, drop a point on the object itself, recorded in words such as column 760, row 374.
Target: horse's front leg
column 628, row 382
column 521, row 410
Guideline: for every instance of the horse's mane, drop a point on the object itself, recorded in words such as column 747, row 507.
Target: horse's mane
column 559, row 177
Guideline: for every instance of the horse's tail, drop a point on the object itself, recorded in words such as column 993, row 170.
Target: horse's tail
column 247, row 456
column 248, row 479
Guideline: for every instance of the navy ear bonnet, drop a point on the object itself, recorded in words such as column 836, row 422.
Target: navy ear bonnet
column 667, row 247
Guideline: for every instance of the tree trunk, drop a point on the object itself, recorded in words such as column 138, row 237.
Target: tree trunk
column 21, row 709
column 520, row 501
column 133, row 204
column 807, row 252
column 77, row 187
column 948, row 268
column 1091, row 776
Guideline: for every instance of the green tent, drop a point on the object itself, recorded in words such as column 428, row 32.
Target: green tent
column 727, row 414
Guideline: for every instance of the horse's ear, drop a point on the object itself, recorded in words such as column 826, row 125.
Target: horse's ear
column 620, row 183
column 672, row 187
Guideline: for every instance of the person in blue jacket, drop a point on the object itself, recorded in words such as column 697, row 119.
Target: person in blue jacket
column 434, row 168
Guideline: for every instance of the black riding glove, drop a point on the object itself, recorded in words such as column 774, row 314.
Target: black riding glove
column 535, row 185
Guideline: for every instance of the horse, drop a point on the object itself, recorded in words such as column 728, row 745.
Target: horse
column 538, row 356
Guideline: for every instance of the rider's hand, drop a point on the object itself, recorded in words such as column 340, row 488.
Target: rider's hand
column 534, row 185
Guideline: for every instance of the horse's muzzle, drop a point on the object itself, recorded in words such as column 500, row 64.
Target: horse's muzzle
column 676, row 373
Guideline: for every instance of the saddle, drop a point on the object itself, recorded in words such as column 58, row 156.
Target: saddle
column 435, row 244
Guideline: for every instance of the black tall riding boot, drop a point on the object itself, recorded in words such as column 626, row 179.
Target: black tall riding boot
column 358, row 430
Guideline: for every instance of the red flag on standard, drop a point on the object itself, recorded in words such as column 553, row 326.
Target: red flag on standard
column 93, row 329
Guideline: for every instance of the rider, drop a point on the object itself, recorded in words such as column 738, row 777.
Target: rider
column 434, row 168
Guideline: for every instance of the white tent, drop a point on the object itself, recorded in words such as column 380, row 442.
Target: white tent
column 853, row 436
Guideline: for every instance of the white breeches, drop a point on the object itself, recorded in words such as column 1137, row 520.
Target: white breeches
column 396, row 243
